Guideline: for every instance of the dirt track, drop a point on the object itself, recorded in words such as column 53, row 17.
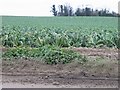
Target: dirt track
column 34, row 74
column 53, row 82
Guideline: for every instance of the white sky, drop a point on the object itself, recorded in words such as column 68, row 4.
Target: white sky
column 43, row 7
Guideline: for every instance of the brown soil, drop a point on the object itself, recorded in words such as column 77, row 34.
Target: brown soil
column 107, row 53
column 100, row 71
column 3, row 49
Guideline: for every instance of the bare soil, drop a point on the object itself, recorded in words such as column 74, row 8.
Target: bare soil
column 105, row 53
column 100, row 71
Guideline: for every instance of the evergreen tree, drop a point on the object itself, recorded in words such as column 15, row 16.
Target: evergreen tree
column 54, row 10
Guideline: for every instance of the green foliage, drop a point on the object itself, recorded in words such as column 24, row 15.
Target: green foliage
column 45, row 37
column 48, row 54
column 63, row 38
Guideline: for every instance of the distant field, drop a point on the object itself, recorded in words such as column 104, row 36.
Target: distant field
column 107, row 23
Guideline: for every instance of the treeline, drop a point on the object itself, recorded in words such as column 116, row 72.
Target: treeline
column 67, row 10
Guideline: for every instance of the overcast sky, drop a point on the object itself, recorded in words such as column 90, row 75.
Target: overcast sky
column 43, row 7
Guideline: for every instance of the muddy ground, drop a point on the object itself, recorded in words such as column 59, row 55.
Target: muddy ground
column 100, row 71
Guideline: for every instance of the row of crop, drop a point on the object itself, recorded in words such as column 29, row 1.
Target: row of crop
column 33, row 37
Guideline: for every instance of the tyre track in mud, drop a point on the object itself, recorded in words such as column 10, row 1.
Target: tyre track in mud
column 57, row 81
column 62, row 77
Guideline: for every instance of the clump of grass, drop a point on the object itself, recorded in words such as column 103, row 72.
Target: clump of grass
column 48, row 54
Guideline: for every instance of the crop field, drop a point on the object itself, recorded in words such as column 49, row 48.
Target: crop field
column 53, row 33
column 60, row 31
column 59, row 50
